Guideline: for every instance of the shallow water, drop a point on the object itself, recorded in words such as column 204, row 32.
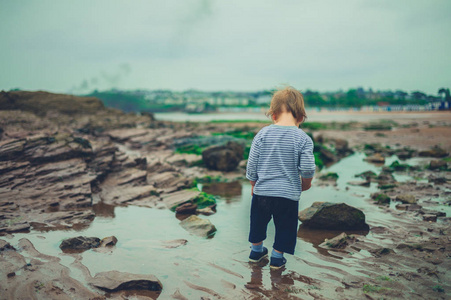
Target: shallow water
column 313, row 116
column 218, row 263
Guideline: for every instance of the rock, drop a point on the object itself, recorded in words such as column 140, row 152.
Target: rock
column 198, row 226
column 408, row 207
column 434, row 152
column 381, row 251
column 108, row 241
column 430, row 218
column 368, row 175
column 432, row 212
column 437, row 180
column 80, row 243
column 342, row 146
column 438, row 165
column 175, row 199
column 376, row 158
column 333, row 216
column 331, row 176
column 114, row 281
column 326, row 155
column 387, row 186
column 403, row 155
column 174, row 243
column 360, row 183
column 223, row 158
column 207, row 211
column 380, row 198
column 16, row 227
column 406, row 199
column 187, row 208
column 4, row 245
column 341, row 241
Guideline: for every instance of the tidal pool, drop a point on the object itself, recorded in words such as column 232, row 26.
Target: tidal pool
column 218, row 265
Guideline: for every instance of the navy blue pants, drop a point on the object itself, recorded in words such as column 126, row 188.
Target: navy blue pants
column 285, row 214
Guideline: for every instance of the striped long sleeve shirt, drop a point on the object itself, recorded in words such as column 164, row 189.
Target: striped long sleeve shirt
column 279, row 155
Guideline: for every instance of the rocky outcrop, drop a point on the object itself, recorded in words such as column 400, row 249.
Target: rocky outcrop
column 175, row 199
column 198, row 226
column 40, row 103
column 333, row 216
column 79, row 243
column 223, row 158
column 44, row 174
column 114, row 281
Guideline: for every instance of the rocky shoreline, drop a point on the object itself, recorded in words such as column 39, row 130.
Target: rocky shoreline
column 57, row 163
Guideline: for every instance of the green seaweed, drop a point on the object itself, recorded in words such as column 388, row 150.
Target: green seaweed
column 438, row 288
column 397, row 166
column 204, row 200
column 329, row 176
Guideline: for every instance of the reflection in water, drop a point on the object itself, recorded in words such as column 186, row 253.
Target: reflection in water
column 227, row 190
column 317, row 236
column 102, row 209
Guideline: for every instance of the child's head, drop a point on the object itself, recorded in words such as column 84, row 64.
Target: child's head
column 287, row 100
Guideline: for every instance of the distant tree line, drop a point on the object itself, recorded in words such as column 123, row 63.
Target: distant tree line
column 166, row 100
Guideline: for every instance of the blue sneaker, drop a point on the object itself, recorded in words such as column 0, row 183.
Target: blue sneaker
column 277, row 263
column 258, row 256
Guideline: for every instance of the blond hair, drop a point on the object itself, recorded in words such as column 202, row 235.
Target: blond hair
column 288, row 99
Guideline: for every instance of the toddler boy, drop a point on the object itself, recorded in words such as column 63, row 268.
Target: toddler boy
column 280, row 154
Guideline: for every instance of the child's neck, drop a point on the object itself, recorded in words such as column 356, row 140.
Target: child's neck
column 286, row 119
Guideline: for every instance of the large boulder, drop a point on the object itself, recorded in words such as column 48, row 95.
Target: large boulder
column 114, row 281
column 333, row 216
column 198, row 226
column 223, row 158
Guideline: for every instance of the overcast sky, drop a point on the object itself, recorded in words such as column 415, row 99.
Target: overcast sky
column 81, row 45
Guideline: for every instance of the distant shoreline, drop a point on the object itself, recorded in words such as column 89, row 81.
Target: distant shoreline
column 313, row 116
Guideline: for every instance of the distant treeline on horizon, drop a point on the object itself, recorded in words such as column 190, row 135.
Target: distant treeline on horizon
column 202, row 101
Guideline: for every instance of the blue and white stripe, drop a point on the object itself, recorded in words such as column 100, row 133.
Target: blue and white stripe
column 279, row 155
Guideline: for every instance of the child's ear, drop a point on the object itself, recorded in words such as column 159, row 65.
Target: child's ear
column 274, row 117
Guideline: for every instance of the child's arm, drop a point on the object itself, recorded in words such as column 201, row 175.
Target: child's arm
column 251, row 169
column 307, row 164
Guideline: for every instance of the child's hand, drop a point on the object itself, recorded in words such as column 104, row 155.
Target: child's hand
column 252, row 183
column 306, row 183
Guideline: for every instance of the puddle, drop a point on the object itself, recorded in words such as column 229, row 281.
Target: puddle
column 217, row 265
